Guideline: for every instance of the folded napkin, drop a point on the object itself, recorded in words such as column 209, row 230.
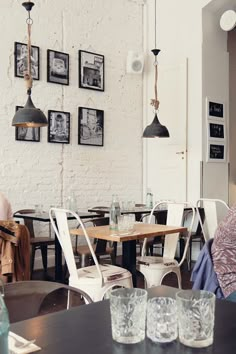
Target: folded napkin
column 16, row 342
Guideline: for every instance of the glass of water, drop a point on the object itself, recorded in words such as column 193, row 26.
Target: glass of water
column 128, row 314
column 162, row 319
column 196, row 317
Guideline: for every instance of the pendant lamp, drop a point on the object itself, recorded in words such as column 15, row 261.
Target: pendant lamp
column 155, row 129
column 29, row 116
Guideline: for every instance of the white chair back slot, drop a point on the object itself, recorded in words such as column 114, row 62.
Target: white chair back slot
column 174, row 218
column 62, row 232
column 214, row 210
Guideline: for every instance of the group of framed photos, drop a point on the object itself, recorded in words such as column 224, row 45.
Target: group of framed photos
column 90, row 67
column 90, row 128
column 216, row 131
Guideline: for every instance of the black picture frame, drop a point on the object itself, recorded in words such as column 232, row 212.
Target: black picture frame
column 20, row 60
column 58, row 67
column 27, row 134
column 91, row 126
column 91, row 71
column 58, row 127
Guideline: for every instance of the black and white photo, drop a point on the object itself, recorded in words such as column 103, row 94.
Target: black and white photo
column 58, row 127
column 21, row 60
column 27, row 134
column 91, row 126
column 57, row 67
column 91, row 70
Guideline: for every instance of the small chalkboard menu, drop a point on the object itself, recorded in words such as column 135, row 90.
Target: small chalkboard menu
column 216, row 131
column 216, row 109
column 216, row 152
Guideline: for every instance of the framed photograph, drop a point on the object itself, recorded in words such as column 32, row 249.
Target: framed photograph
column 27, row 134
column 91, row 71
column 58, row 127
column 21, row 58
column 91, row 126
column 216, row 131
column 57, row 67
column 216, row 152
column 215, row 109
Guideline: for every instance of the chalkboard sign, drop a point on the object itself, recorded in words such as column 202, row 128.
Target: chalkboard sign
column 216, row 152
column 216, row 131
column 216, row 109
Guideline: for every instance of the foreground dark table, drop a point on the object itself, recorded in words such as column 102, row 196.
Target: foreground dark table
column 87, row 330
column 44, row 217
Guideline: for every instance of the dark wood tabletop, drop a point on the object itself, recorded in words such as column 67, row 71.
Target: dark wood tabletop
column 87, row 330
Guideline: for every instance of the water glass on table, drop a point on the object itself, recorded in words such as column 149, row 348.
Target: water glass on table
column 38, row 208
column 162, row 319
column 126, row 222
column 196, row 316
column 128, row 314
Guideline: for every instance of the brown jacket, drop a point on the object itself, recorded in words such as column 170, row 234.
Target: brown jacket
column 14, row 251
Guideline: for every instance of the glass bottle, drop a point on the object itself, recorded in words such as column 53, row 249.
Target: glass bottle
column 4, row 325
column 149, row 199
column 114, row 212
column 72, row 203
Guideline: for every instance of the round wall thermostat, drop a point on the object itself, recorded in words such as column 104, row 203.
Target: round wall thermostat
column 228, row 20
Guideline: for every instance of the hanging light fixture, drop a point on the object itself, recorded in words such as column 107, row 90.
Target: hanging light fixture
column 29, row 116
column 155, row 129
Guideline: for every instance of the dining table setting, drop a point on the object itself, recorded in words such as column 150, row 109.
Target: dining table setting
column 90, row 328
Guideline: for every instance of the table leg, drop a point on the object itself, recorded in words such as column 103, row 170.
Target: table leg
column 129, row 258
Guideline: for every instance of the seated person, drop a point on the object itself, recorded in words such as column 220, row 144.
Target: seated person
column 5, row 208
column 224, row 252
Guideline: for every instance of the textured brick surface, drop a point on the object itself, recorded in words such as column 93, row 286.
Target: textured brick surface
column 46, row 173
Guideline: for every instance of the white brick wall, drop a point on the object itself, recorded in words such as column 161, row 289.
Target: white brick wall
column 46, row 173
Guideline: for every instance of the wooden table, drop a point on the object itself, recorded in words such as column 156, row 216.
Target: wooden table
column 44, row 217
column 87, row 330
column 140, row 231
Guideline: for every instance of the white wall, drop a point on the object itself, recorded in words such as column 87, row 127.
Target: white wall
column 46, row 173
column 190, row 29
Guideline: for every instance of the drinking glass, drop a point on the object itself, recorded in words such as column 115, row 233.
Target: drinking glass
column 162, row 319
column 38, row 208
column 128, row 314
column 196, row 315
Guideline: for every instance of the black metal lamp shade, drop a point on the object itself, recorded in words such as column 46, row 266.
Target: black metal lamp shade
column 156, row 129
column 29, row 116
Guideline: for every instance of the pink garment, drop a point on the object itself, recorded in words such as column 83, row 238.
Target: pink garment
column 5, row 208
column 224, row 252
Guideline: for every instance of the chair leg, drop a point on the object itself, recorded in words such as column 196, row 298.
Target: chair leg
column 178, row 274
column 44, row 252
column 32, row 261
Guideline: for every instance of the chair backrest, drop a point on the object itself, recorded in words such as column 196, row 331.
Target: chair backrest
column 100, row 244
column 214, row 211
column 175, row 217
column 28, row 299
column 28, row 222
column 62, row 232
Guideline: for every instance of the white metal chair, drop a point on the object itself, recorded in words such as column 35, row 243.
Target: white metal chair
column 95, row 280
column 155, row 268
column 214, row 211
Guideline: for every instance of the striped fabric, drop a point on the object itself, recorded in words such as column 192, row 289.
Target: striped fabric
column 224, row 252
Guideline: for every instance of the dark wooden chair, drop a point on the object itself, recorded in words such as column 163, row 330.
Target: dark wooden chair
column 40, row 243
column 28, row 299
